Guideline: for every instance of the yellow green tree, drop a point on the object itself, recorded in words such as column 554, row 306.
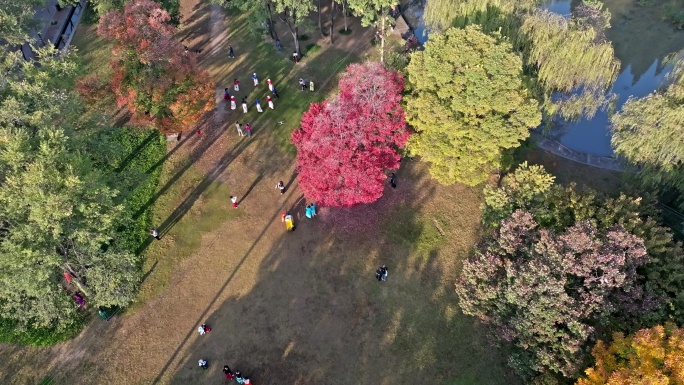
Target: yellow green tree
column 652, row 356
column 467, row 103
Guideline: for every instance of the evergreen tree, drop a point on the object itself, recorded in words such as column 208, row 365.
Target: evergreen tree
column 467, row 104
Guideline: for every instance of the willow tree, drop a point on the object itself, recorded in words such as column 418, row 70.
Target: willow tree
column 490, row 14
column 648, row 132
column 467, row 103
column 573, row 66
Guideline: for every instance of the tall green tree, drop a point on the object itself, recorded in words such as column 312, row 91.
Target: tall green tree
column 467, row 103
column 17, row 19
column 293, row 14
column 57, row 212
column 648, row 132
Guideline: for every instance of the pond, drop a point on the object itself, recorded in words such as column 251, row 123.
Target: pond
column 642, row 42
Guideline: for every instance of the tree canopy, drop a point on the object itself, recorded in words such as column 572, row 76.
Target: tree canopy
column 650, row 356
column 17, row 19
column 524, row 278
column 153, row 76
column 648, row 132
column 467, row 103
column 345, row 144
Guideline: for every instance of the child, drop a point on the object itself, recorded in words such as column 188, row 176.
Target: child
column 239, row 129
column 234, row 200
column 393, row 180
column 289, row 222
column 155, row 234
column 248, row 128
column 308, row 212
column 226, row 94
column 275, row 92
column 247, row 381
column 302, row 84
column 270, row 84
column 313, row 209
column 256, row 79
column 203, row 364
column 236, row 85
column 281, row 186
column 233, row 105
column 231, row 54
column 258, row 105
column 238, row 377
column 244, row 105
column 270, row 102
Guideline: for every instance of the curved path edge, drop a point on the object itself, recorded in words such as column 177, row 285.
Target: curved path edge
column 603, row 162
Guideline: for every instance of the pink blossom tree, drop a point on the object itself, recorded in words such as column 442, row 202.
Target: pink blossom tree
column 345, row 145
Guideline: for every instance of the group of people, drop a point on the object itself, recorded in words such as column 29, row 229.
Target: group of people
column 230, row 375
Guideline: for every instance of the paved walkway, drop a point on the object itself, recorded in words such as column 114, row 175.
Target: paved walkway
column 559, row 149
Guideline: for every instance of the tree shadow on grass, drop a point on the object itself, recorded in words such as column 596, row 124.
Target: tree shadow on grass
column 316, row 315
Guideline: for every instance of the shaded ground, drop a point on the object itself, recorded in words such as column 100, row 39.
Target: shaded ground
column 285, row 308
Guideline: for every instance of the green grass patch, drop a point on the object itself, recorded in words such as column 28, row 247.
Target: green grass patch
column 138, row 169
column 343, row 31
column 312, row 48
column 211, row 209
column 419, row 234
column 47, row 380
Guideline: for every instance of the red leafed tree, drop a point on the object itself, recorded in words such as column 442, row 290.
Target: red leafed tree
column 344, row 145
column 154, row 77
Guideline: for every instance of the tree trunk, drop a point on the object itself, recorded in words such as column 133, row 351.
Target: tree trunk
column 274, row 34
column 332, row 17
column 320, row 23
column 296, row 38
column 382, row 37
column 344, row 13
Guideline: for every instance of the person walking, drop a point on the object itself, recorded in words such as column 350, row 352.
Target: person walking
column 281, row 186
column 275, row 92
column 239, row 129
column 234, row 200
column 236, row 85
column 393, row 180
column 228, row 373
column 226, row 94
column 244, row 105
column 203, row 364
column 233, row 105
column 155, row 234
column 270, row 103
column 248, row 128
column 279, row 45
column 231, row 53
column 258, row 105
column 256, row 79
column 270, row 84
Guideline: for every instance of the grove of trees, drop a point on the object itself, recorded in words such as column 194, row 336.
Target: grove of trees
column 559, row 265
column 346, row 144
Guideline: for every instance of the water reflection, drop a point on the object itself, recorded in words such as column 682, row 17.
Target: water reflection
column 593, row 136
column 641, row 41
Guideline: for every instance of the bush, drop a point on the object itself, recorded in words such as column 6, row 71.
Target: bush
column 12, row 334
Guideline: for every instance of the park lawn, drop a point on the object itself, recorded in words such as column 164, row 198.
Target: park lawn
column 298, row 307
